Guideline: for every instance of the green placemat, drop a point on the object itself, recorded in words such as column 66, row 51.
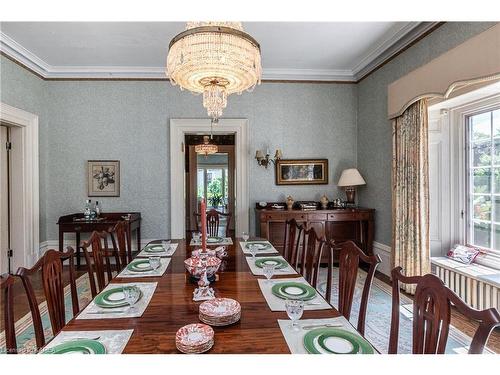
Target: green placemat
column 77, row 346
column 315, row 341
column 280, row 263
column 293, row 290
column 138, row 266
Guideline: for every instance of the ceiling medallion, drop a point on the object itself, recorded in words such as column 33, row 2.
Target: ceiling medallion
column 206, row 148
column 215, row 59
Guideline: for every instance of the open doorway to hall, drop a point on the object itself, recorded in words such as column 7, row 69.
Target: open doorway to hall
column 211, row 177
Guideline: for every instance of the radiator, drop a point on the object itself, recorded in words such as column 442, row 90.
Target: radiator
column 474, row 292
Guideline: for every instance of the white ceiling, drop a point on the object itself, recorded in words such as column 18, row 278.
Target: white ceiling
column 327, row 51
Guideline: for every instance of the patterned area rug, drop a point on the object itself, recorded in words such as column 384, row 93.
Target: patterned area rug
column 378, row 319
column 25, row 333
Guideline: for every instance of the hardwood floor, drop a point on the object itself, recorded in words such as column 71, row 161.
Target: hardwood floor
column 21, row 308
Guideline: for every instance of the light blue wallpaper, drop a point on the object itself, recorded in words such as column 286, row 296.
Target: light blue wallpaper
column 128, row 121
column 374, row 130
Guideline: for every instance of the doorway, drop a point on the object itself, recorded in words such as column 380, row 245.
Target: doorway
column 210, row 177
column 19, row 188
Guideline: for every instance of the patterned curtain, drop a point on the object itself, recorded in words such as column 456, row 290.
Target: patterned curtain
column 410, row 192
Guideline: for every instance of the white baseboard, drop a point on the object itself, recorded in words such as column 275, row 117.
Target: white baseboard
column 384, row 252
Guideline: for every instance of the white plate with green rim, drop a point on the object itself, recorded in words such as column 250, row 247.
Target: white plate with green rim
column 113, row 298
column 335, row 341
column 259, row 245
column 77, row 347
column 279, row 263
column 139, row 266
column 155, row 249
column 215, row 239
column 293, row 290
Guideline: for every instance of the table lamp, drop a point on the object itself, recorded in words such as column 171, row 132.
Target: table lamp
column 349, row 179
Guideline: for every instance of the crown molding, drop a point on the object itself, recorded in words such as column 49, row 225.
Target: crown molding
column 385, row 50
column 390, row 47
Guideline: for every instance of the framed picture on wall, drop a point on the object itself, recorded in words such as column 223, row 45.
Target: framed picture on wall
column 302, row 172
column 103, row 178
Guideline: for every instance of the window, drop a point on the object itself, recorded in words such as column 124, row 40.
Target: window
column 483, row 180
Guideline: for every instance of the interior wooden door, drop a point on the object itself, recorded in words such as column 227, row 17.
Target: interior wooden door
column 4, row 201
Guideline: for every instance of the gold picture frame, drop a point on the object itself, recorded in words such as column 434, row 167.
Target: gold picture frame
column 302, row 172
column 103, row 178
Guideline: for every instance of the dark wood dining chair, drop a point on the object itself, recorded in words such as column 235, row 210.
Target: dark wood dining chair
column 6, row 283
column 51, row 267
column 350, row 257
column 432, row 313
column 311, row 254
column 213, row 222
column 120, row 238
column 291, row 243
column 98, row 257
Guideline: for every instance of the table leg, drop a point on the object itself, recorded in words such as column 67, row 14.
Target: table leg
column 369, row 236
column 78, row 250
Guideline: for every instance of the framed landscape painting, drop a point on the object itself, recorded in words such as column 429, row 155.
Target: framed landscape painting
column 302, row 172
column 103, row 178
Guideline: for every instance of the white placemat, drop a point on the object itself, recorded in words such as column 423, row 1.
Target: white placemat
column 295, row 339
column 113, row 341
column 288, row 270
column 165, row 253
column 225, row 241
column 271, row 250
column 278, row 304
column 92, row 311
column 156, row 273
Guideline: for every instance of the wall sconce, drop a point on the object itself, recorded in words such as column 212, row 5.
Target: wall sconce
column 265, row 160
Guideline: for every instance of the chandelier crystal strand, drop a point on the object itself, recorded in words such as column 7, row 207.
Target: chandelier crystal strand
column 214, row 58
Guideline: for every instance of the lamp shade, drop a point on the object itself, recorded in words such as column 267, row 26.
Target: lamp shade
column 351, row 177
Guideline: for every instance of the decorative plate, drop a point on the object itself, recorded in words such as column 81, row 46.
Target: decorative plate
column 220, row 307
column 335, row 341
column 139, row 266
column 258, row 245
column 155, row 249
column 77, row 346
column 215, row 239
column 293, row 290
column 113, row 298
column 194, row 335
column 279, row 263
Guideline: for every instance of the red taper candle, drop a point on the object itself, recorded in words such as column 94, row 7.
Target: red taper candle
column 203, row 225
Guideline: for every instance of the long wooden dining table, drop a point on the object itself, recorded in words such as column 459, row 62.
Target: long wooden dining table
column 172, row 307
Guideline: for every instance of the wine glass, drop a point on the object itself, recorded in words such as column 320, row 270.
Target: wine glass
column 166, row 245
column 154, row 262
column 196, row 236
column 131, row 294
column 268, row 270
column 294, row 309
column 245, row 236
column 253, row 250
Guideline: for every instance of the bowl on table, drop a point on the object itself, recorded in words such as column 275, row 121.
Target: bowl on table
column 196, row 265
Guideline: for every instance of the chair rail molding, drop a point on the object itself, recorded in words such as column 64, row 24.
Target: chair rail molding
column 178, row 129
column 28, row 124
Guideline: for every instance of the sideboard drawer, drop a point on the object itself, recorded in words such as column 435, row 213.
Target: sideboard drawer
column 349, row 216
column 274, row 216
column 316, row 217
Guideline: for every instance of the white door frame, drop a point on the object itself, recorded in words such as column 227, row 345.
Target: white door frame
column 28, row 123
column 178, row 129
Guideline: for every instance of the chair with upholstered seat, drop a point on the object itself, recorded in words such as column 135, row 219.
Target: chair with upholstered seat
column 291, row 243
column 350, row 257
column 98, row 258
column 51, row 267
column 213, row 222
column 310, row 256
column 432, row 304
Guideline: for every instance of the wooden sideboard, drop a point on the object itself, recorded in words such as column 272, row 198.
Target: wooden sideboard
column 341, row 224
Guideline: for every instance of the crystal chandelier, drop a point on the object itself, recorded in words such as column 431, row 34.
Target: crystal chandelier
column 206, row 148
column 216, row 59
